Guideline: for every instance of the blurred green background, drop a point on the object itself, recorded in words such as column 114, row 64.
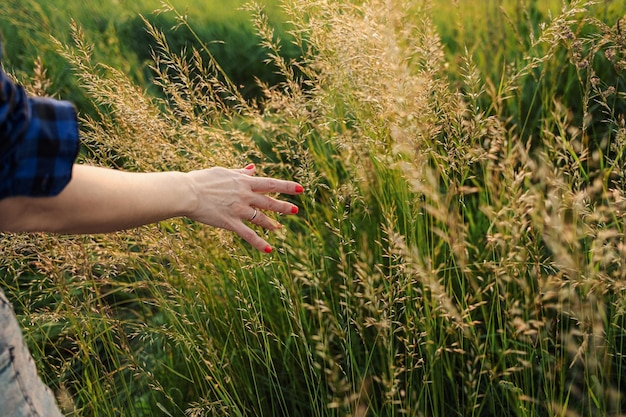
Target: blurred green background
column 118, row 33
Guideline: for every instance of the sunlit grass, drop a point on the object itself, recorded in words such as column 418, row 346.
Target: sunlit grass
column 458, row 250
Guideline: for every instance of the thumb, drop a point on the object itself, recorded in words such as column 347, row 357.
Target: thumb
column 248, row 169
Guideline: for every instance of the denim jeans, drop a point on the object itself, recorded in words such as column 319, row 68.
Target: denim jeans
column 22, row 393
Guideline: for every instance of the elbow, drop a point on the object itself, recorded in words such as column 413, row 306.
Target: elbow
column 9, row 215
column 17, row 215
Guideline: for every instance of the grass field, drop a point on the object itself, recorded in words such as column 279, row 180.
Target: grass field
column 460, row 245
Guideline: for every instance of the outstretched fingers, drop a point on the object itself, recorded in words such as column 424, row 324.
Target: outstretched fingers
column 260, row 201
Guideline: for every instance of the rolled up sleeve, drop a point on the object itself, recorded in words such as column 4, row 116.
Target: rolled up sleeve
column 39, row 142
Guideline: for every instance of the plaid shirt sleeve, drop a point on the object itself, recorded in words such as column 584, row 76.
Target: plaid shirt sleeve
column 39, row 142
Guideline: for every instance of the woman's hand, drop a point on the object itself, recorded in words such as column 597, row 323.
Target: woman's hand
column 103, row 200
column 233, row 198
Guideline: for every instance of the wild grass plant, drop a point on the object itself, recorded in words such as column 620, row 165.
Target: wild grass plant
column 453, row 256
column 118, row 33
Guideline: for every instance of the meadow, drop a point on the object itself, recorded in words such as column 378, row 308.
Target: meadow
column 460, row 245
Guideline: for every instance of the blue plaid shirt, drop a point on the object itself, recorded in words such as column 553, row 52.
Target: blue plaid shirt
column 38, row 142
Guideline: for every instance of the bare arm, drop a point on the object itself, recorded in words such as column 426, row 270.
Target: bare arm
column 99, row 200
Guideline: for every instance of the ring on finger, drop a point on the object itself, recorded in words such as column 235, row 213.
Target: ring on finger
column 253, row 215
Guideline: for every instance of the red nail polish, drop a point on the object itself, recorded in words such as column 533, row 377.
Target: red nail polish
column 268, row 249
column 294, row 210
column 299, row 188
column 249, row 166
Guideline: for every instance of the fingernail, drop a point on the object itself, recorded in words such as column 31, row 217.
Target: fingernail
column 294, row 209
column 249, row 166
column 299, row 188
column 268, row 249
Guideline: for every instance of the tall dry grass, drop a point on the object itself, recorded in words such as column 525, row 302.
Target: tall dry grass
column 445, row 262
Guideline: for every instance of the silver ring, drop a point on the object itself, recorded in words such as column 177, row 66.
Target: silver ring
column 253, row 216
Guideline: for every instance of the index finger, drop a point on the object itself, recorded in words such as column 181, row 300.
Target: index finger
column 272, row 185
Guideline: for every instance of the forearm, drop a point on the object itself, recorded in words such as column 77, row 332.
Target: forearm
column 99, row 200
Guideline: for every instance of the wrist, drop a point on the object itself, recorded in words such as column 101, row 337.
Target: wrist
column 188, row 194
